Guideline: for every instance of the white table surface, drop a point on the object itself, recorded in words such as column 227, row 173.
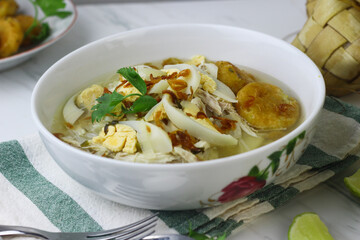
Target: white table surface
column 279, row 18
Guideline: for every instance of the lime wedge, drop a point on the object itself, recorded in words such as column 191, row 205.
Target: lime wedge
column 308, row 226
column 353, row 183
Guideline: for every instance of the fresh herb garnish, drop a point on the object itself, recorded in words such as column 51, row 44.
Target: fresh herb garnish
column 42, row 35
column 109, row 102
column 50, row 8
column 142, row 104
column 106, row 104
column 134, row 78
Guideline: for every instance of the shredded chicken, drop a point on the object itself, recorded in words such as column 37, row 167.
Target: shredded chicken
column 186, row 155
column 210, row 101
column 241, row 122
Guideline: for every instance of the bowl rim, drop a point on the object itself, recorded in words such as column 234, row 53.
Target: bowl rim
column 46, row 43
column 195, row 165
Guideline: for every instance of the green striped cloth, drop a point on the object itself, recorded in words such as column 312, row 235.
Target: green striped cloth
column 36, row 192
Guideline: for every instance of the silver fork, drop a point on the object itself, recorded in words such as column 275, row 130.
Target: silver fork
column 167, row 237
column 134, row 231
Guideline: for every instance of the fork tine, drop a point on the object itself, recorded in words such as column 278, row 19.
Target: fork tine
column 140, row 236
column 143, row 233
column 126, row 234
column 143, row 222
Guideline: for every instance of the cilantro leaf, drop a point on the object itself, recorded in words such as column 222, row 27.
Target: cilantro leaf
column 52, row 7
column 106, row 104
column 142, row 104
column 109, row 102
column 42, row 35
column 134, row 78
column 60, row 14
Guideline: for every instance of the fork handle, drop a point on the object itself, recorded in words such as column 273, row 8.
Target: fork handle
column 19, row 230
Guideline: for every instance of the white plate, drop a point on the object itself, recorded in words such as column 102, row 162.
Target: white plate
column 59, row 27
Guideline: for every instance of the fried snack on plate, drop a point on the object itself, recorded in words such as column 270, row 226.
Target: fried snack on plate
column 11, row 36
column 25, row 23
column 232, row 76
column 267, row 107
column 8, row 8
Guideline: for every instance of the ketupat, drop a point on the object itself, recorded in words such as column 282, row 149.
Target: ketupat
column 331, row 38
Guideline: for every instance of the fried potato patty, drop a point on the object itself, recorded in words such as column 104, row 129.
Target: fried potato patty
column 25, row 22
column 171, row 61
column 265, row 106
column 8, row 8
column 232, row 76
column 11, row 36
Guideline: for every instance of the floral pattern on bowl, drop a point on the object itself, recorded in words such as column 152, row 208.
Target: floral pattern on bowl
column 256, row 178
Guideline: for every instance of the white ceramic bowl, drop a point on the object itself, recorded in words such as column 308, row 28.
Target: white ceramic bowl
column 191, row 185
column 59, row 27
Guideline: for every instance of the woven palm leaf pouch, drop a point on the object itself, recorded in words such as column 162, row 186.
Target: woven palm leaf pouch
column 331, row 38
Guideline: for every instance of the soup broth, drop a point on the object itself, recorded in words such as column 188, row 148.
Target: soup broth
column 177, row 111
